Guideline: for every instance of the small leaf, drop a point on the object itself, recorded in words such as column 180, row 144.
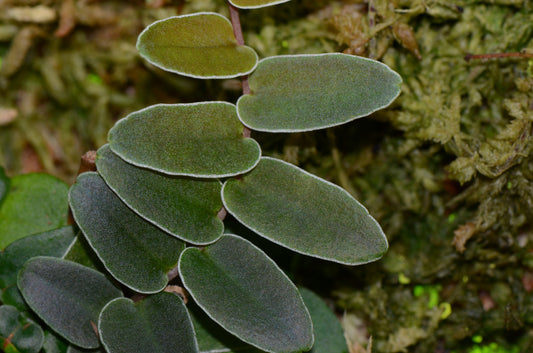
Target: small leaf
column 134, row 251
column 74, row 349
column 329, row 336
column 200, row 45
column 184, row 207
column 54, row 344
column 245, row 292
column 302, row 212
column 52, row 243
column 35, row 203
column 254, row 4
column 198, row 140
column 67, row 297
column 308, row 92
column 18, row 333
column 159, row 323
column 4, row 185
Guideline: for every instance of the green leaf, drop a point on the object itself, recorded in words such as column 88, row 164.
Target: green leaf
column 254, row 4
column 54, row 344
column 200, row 45
column 245, row 292
column 134, row 251
column 74, row 349
column 35, row 203
column 329, row 336
column 212, row 338
column 308, row 92
column 68, row 297
column 18, row 333
column 52, row 243
column 304, row 213
column 157, row 324
column 198, row 139
column 184, row 207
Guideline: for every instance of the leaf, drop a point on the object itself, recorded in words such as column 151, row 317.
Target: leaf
column 198, row 139
column 54, row 344
column 254, row 4
column 35, row 203
column 66, row 296
column 308, row 92
column 157, row 324
column 200, row 45
column 245, row 292
column 74, row 349
column 302, row 212
column 18, row 333
column 212, row 338
column 134, row 251
column 4, row 185
column 52, row 243
column 329, row 336
column 184, row 207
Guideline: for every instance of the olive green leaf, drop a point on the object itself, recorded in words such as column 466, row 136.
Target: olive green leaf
column 52, row 243
column 198, row 140
column 245, row 292
column 135, row 252
column 68, row 297
column 184, row 207
column 200, row 45
column 159, row 323
column 304, row 213
column 329, row 336
column 254, row 4
column 18, row 334
column 308, row 92
column 34, row 203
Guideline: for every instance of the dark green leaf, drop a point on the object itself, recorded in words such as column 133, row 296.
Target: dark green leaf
column 302, row 212
column 245, row 292
column 68, row 297
column 19, row 333
column 54, row 344
column 4, row 185
column 308, row 92
column 35, row 203
column 135, row 252
column 329, row 336
column 200, row 45
column 186, row 208
column 254, row 4
column 199, row 140
column 159, row 323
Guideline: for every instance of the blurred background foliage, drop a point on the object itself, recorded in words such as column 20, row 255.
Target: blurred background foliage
column 447, row 169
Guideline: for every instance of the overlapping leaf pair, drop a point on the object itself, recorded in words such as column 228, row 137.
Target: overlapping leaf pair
column 170, row 169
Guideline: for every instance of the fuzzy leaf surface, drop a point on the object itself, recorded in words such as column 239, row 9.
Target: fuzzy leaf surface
column 329, row 336
column 254, row 4
column 198, row 140
column 135, row 252
column 200, row 45
column 245, row 292
column 304, row 213
column 68, row 297
column 159, row 323
column 18, row 333
column 309, row 92
column 52, row 243
column 35, row 203
column 184, row 207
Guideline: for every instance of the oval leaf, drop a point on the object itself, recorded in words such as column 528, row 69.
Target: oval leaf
column 309, row 92
column 34, row 203
column 254, row 4
column 17, row 333
column 134, row 251
column 67, row 297
column 302, row 212
column 329, row 336
column 184, row 207
column 158, row 324
column 200, row 45
column 245, row 292
column 199, row 140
